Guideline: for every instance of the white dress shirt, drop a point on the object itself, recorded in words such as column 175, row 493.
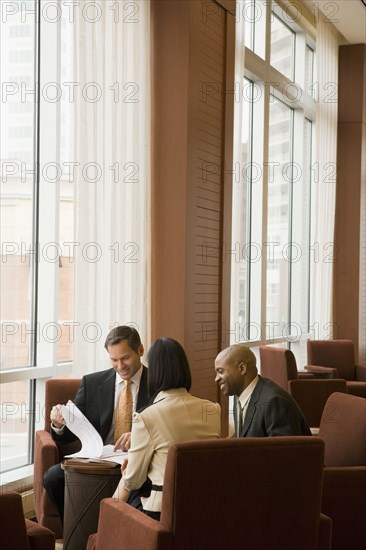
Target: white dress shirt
column 118, row 388
column 245, row 396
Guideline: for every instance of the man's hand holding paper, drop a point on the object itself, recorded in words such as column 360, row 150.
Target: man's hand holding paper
column 91, row 442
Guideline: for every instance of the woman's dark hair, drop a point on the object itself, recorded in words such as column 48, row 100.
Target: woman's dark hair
column 168, row 367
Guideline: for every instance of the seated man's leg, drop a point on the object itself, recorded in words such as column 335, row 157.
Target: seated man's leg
column 54, row 483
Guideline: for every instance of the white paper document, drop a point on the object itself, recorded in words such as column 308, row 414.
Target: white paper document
column 91, row 442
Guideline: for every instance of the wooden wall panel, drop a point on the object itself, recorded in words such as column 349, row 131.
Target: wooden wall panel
column 349, row 297
column 191, row 39
column 206, row 135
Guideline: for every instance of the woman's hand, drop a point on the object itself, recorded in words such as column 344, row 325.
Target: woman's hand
column 121, row 493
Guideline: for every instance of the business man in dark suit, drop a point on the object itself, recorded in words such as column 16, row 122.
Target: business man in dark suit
column 261, row 408
column 98, row 398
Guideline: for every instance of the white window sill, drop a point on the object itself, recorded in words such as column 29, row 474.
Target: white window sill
column 19, row 480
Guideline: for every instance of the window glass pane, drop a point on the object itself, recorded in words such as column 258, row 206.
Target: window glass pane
column 246, row 265
column 67, row 184
column 14, row 418
column 300, row 260
column 254, row 14
column 16, row 156
column 309, row 71
column 66, row 272
column 282, row 47
column 241, row 208
column 249, row 21
column 279, row 177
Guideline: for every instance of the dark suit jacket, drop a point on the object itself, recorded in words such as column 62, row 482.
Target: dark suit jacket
column 272, row 411
column 95, row 399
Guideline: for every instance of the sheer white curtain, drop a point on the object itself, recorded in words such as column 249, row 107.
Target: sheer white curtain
column 112, row 145
column 324, row 188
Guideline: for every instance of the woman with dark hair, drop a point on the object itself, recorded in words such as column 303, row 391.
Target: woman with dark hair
column 173, row 416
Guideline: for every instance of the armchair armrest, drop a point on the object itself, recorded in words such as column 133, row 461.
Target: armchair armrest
column 361, row 373
column 121, row 522
column 45, row 455
column 40, row 538
column 325, row 533
column 305, row 375
column 322, row 372
column 46, row 450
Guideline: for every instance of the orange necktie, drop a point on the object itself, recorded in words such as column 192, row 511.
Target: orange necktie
column 123, row 412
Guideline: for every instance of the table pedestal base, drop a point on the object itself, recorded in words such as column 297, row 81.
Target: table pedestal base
column 84, row 489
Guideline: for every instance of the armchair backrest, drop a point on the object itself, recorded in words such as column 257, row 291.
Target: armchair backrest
column 343, row 429
column 13, row 531
column 58, row 390
column 312, row 396
column 277, row 486
column 278, row 364
column 338, row 354
column 18, row 533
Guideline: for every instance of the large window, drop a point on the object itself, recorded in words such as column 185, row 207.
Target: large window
column 272, row 197
column 75, row 118
column 36, row 219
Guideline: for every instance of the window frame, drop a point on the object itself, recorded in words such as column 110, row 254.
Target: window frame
column 42, row 363
column 303, row 103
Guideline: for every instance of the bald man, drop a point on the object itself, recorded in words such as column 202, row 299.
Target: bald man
column 262, row 409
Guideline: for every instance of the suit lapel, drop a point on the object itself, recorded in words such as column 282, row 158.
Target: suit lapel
column 142, row 397
column 106, row 403
column 252, row 407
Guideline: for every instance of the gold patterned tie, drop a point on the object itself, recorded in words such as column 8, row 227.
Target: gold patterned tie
column 123, row 411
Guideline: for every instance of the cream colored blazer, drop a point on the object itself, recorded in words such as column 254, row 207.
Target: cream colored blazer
column 175, row 416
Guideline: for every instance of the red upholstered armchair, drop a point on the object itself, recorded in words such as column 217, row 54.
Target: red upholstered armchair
column 279, row 365
column 343, row 429
column 230, row 493
column 312, row 396
column 18, row 533
column 47, row 452
column 339, row 355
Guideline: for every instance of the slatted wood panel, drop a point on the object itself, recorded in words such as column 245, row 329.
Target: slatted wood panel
column 205, row 213
column 191, row 135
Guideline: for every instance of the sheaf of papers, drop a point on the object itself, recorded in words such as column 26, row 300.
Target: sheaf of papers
column 91, row 442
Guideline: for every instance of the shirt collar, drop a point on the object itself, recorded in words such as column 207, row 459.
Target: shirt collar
column 247, row 393
column 135, row 378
